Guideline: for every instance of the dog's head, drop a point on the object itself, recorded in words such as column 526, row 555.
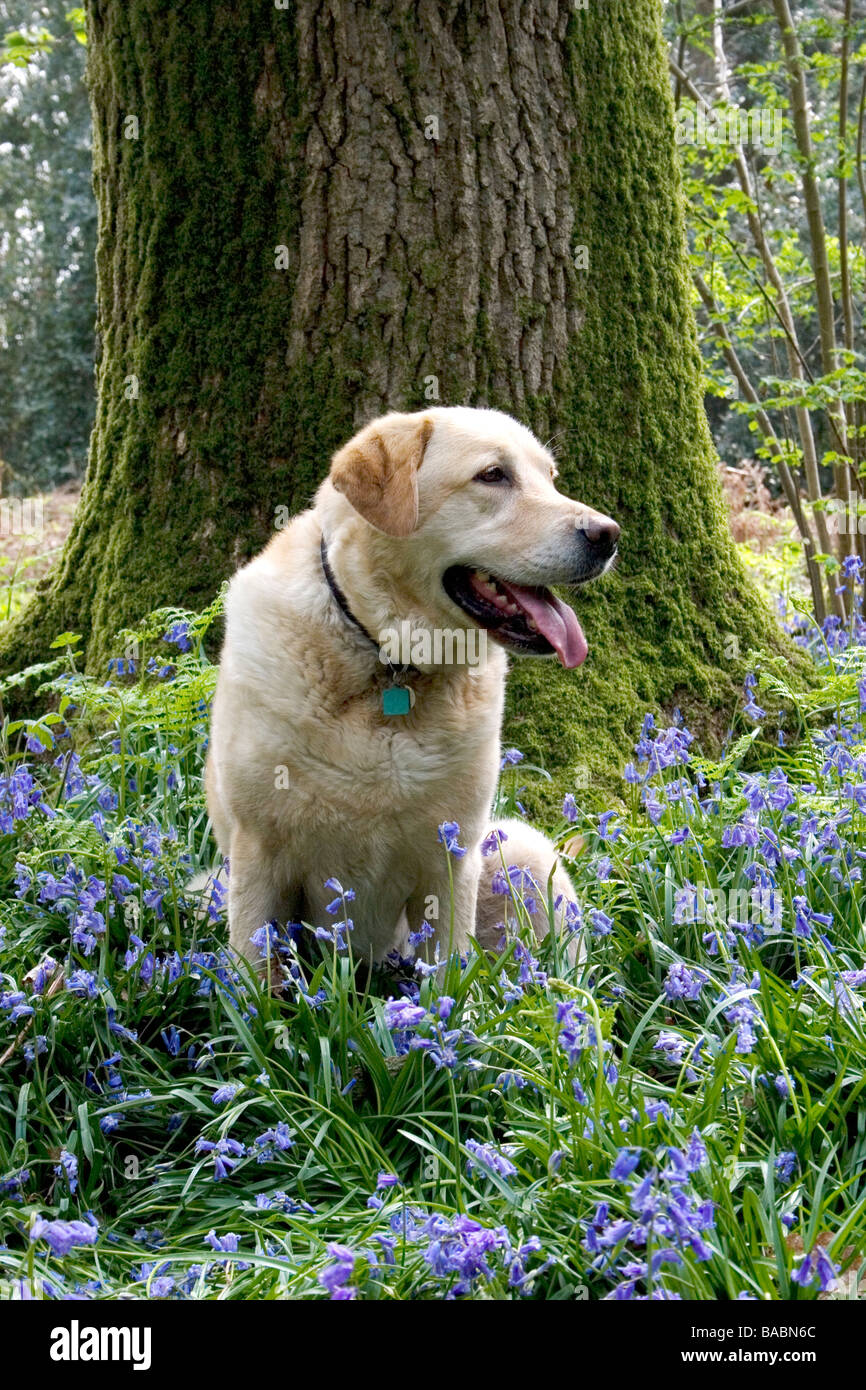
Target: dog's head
column 465, row 516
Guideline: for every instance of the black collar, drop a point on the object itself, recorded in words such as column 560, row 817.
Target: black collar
column 343, row 605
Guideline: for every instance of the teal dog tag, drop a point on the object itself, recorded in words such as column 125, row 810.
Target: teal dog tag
column 395, row 700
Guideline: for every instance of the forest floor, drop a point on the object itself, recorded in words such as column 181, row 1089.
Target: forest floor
column 676, row 1114
column 27, row 555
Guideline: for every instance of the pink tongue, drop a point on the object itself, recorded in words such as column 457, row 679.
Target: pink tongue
column 554, row 620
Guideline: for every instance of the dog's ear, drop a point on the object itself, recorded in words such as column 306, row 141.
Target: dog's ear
column 377, row 471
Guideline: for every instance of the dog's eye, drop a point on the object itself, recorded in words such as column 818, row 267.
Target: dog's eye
column 492, row 475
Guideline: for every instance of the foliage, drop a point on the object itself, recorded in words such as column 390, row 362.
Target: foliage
column 677, row 1114
column 47, row 252
column 776, row 198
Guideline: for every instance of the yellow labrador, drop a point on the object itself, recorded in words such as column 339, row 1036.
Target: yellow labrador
column 361, row 683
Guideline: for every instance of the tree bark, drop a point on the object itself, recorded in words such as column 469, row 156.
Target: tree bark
column 432, row 171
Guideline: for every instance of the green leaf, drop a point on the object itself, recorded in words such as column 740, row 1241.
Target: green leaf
column 20, row 48
column 78, row 19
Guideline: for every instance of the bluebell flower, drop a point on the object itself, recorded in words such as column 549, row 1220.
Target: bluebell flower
column 654, row 1108
column 745, row 1018
column 424, row 933
column 275, row 1140
column 335, row 1278
column 490, row 844
column 506, row 1080
column 226, row 1153
column 602, row 925
column 120, row 1030
column 34, row 1047
column 510, row 758
column 14, row 1185
column 227, row 1244
column 673, row 1045
column 63, row 1236
column 23, row 880
column 752, row 708
column 573, row 918
column 225, row 1093
column 489, row 1158
column 682, row 982
column 573, row 1032
column 625, row 1163
column 402, row 1013
column 162, row 1286
column 68, row 1168
column 816, row 1265
column 16, row 1004
column 267, row 939
column 518, row 884
column 447, row 835
column 604, row 831
column 463, row 1247
column 83, row 984
column 696, row 1152
column 178, row 636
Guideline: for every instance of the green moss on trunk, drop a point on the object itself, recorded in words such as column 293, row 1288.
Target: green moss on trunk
column 202, row 429
column 419, row 269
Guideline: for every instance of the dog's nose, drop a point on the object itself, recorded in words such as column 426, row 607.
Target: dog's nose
column 601, row 533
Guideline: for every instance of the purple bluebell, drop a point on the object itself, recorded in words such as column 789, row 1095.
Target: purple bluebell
column 448, row 834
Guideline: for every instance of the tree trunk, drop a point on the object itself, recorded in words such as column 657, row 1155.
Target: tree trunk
column 310, row 216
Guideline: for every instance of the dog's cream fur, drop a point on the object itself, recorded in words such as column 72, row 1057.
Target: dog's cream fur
column 522, row 847
column 306, row 777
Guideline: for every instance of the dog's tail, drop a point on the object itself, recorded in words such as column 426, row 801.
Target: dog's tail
column 534, row 864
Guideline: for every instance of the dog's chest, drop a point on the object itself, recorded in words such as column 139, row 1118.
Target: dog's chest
column 357, row 752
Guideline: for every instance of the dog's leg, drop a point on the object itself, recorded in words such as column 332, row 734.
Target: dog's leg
column 256, row 896
column 432, row 903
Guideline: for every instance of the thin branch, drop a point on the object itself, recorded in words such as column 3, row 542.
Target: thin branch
column 847, row 299
column 797, row 367
column 786, row 477
column 861, row 139
column 815, row 220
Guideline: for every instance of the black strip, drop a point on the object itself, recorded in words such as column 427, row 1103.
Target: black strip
column 340, row 597
column 343, row 605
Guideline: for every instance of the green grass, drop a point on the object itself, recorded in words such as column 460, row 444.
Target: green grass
column 720, row 1154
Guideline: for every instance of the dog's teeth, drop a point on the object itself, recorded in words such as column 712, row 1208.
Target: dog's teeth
column 501, row 601
column 532, row 624
column 483, row 576
column 512, row 608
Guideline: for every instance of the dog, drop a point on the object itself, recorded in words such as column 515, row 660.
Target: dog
column 361, row 684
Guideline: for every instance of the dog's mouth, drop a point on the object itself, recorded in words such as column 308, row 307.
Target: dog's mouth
column 532, row 621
